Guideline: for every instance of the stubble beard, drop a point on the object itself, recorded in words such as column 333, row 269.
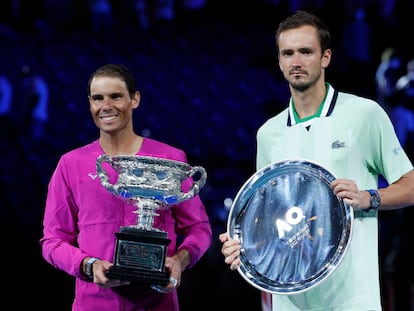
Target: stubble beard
column 302, row 86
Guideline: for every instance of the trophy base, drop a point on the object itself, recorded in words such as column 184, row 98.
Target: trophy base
column 138, row 276
column 140, row 256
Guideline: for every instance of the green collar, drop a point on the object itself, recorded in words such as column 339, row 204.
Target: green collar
column 316, row 115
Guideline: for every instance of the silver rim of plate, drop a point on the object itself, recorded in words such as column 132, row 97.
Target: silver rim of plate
column 294, row 231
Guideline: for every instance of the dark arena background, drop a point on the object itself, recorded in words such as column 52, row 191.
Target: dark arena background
column 208, row 75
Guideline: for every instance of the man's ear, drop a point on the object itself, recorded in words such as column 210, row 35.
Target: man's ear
column 326, row 58
column 136, row 100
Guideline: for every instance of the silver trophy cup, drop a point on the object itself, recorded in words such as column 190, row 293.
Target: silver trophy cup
column 150, row 184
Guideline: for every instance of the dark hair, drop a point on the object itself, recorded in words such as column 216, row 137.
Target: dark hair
column 115, row 70
column 303, row 18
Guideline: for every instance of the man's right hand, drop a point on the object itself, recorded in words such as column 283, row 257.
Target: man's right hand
column 99, row 278
column 230, row 250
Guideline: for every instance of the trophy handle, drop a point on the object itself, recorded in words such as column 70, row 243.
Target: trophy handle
column 103, row 174
column 197, row 183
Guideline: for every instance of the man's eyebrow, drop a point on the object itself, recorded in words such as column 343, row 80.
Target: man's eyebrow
column 110, row 94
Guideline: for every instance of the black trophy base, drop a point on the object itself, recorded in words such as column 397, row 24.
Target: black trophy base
column 140, row 256
column 138, row 276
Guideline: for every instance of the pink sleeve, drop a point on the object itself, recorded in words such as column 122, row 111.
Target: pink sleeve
column 59, row 233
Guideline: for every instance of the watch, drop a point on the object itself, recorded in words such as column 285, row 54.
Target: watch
column 88, row 267
column 374, row 201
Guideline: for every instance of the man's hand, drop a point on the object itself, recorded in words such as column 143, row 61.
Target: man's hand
column 230, row 250
column 348, row 191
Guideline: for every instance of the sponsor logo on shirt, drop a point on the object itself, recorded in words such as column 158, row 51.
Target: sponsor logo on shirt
column 396, row 150
column 337, row 144
column 92, row 175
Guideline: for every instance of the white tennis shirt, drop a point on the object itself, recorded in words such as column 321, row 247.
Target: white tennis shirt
column 354, row 139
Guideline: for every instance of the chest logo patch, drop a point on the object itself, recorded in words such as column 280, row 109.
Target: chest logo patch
column 337, row 144
column 92, row 175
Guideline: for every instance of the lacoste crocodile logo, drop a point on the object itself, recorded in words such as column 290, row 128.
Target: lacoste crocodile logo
column 337, row 144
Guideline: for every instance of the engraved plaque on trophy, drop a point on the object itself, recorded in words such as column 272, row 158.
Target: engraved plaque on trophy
column 150, row 184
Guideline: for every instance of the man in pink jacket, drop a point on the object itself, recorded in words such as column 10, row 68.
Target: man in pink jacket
column 82, row 216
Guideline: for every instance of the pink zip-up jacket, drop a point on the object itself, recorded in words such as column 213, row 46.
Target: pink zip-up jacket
column 82, row 216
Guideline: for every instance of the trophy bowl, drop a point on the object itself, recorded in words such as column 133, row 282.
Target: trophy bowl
column 149, row 184
column 293, row 230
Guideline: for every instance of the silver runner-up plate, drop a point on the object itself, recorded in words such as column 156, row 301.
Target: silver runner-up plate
column 294, row 231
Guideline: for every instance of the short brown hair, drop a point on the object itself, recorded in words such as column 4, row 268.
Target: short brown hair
column 303, row 18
